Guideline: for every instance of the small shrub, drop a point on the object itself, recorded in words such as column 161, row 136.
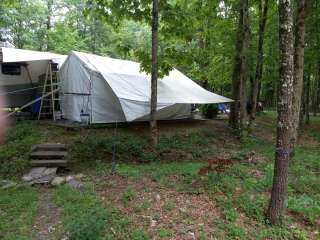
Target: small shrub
column 83, row 216
column 252, row 205
column 305, row 205
column 164, row 233
column 235, row 232
column 143, row 205
column 128, row 195
column 168, row 206
column 87, row 226
column 230, row 214
column 139, row 235
column 133, row 145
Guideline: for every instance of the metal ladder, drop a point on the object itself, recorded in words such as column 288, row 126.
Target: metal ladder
column 50, row 103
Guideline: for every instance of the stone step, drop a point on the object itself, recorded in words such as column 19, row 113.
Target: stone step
column 49, row 163
column 48, row 155
column 49, row 147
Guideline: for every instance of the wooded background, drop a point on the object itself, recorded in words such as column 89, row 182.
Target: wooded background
column 195, row 36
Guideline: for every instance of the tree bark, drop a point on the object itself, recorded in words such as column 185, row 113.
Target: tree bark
column 49, row 9
column 259, row 68
column 298, row 67
column 238, row 107
column 154, row 74
column 307, row 110
column 284, row 126
column 318, row 88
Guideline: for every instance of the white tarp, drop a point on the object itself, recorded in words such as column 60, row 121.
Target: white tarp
column 115, row 90
column 10, row 55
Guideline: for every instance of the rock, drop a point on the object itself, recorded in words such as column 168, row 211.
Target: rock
column 191, row 236
column 40, row 175
column 80, row 176
column 183, row 210
column 57, row 181
column 158, row 198
column 153, row 223
column 51, row 229
column 73, row 183
column 69, row 178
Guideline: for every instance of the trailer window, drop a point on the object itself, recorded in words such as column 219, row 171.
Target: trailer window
column 11, row 69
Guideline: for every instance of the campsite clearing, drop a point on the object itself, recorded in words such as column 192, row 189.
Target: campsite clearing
column 160, row 196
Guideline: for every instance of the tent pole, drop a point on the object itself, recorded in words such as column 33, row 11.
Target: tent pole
column 29, row 74
column 29, row 104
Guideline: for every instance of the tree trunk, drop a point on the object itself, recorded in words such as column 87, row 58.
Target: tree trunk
column 238, row 107
column 49, row 9
column 259, row 68
column 154, row 74
column 318, row 88
column 314, row 96
column 298, row 67
column 284, row 126
column 307, row 110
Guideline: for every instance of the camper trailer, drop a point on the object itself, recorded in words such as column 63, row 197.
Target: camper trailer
column 22, row 73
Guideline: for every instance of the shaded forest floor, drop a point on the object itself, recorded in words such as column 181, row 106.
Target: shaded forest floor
column 161, row 196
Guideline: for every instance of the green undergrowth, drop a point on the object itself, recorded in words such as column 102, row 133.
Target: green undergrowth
column 241, row 192
column 18, row 207
column 128, row 147
column 14, row 153
column 85, row 217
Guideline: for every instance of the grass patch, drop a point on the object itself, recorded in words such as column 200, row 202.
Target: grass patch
column 168, row 206
column 307, row 206
column 14, row 154
column 18, row 208
column 128, row 195
column 85, row 217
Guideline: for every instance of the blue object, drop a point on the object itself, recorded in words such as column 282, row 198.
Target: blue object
column 221, row 107
column 35, row 108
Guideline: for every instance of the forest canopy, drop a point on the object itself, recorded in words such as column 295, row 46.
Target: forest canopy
column 197, row 37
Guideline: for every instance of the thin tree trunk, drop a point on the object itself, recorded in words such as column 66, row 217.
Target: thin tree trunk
column 154, row 74
column 314, row 97
column 303, row 107
column 318, row 88
column 238, row 107
column 298, row 67
column 307, row 110
column 259, row 68
column 49, row 9
column 284, row 126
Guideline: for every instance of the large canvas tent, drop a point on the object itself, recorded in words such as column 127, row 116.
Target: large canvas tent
column 112, row 90
column 21, row 71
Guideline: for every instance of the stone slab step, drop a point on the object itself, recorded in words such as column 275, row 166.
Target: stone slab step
column 48, row 155
column 40, row 175
column 49, row 147
column 49, row 163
